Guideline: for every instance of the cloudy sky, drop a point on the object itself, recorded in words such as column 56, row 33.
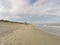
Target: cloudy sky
column 34, row 11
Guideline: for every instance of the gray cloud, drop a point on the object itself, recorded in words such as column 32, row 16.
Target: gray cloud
column 13, row 8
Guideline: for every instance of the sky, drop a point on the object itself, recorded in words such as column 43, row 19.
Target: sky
column 33, row 11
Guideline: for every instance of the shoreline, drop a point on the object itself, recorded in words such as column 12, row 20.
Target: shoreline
column 27, row 35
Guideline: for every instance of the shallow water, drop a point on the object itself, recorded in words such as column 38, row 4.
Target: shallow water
column 55, row 30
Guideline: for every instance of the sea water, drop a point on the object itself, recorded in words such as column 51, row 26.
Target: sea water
column 55, row 30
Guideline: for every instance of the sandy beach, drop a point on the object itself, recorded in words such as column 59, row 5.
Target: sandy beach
column 23, row 34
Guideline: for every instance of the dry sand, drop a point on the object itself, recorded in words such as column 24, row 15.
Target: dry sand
column 20, row 34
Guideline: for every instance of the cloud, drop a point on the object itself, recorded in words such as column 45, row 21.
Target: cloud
column 39, row 7
column 13, row 8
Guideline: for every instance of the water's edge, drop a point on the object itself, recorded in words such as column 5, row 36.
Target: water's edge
column 55, row 30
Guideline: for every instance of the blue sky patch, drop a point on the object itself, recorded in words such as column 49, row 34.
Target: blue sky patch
column 32, row 1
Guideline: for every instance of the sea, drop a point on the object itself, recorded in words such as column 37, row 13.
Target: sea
column 52, row 29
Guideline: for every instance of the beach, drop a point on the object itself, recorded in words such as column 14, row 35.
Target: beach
column 25, row 34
